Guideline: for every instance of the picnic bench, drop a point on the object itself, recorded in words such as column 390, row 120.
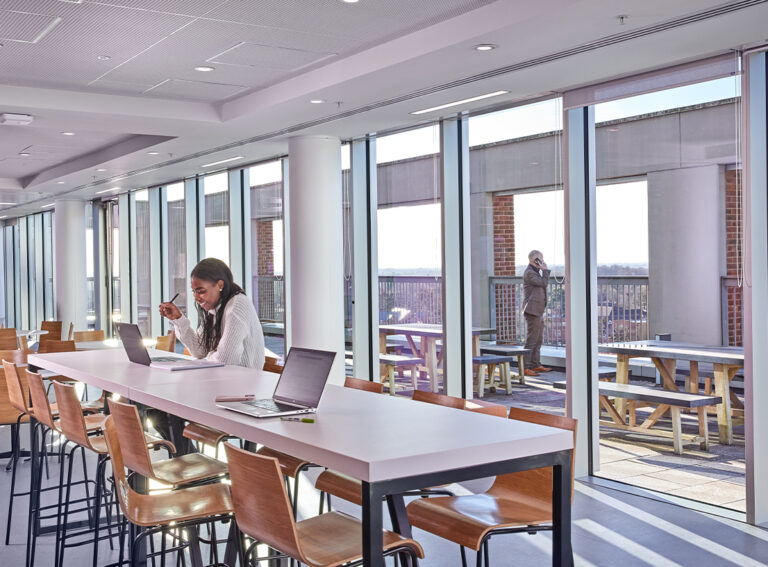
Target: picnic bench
column 486, row 365
column 665, row 400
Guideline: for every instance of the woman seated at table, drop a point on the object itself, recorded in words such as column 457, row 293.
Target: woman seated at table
column 229, row 330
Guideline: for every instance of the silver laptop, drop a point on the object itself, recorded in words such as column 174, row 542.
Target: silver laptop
column 298, row 390
column 137, row 352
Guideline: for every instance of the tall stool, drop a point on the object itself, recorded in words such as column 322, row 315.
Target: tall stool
column 331, row 539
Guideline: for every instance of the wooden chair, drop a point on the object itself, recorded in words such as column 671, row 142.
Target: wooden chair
column 438, row 399
column 271, row 365
column 10, row 414
column 366, row 385
column 54, row 331
column 185, row 507
column 52, row 345
column 8, row 339
column 517, row 502
column 331, row 539
column 488, row 408
column 180, row 471
column 88, row 336
column 167, row 342
column 71, row 330
column 23, row 343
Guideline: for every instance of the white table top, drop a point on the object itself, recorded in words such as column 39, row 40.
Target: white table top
column 29, row 333
column 366, row 436
column 98, row 345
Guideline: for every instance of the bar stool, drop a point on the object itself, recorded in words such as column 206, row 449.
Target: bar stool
column 43, row 413
column 185, row 507
column 184, row 470
column 328, row 540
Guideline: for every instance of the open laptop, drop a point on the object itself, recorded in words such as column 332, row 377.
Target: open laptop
column 137, row 352
column 298, row 390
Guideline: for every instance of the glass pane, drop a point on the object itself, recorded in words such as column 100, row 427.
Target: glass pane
column 113, row 247
column 177, row 245
column 348, row 259
column 409, row 251
column 48, row 254
column 669, row 241
column 267, row 291
column 90, row 268
column 216, row 188
column 143, row 263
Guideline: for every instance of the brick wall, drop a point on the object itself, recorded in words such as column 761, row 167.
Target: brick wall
column 504, row 265
column 265, row 256
column 734, row 252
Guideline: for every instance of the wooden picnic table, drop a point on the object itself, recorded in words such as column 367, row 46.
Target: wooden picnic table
column 427, row 349
column 665, row 354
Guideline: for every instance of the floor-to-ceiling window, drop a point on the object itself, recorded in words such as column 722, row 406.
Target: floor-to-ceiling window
column 410, row 251
column 177, row 268
column 267, row 288
column 216, row 189
column 142, row 263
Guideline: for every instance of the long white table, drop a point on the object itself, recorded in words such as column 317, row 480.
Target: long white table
column 425, row 445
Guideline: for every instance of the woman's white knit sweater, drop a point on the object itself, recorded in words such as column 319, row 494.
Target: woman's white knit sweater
column 242, row 340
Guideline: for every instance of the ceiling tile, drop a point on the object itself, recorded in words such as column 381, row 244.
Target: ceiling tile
column 255, row 55
column 195, row 90
column 25, row 27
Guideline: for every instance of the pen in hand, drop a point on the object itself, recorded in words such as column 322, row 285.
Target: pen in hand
column 173, row 299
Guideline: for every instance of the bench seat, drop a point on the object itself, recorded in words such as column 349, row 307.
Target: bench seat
column 391, row 362
column 486, row 365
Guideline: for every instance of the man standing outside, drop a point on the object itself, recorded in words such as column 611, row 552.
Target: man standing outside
column 535, row 281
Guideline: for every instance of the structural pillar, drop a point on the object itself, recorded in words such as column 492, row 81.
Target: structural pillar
column 70, row 277
column 315, row 247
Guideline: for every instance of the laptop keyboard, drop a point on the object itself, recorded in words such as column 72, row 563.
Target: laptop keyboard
column 271, row 405
column 166, row 359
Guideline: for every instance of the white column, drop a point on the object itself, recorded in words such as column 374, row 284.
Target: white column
column 314, row 210
column 581, row 285
column 70, row 281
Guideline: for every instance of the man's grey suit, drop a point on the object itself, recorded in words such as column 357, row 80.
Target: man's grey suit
column 535, row 283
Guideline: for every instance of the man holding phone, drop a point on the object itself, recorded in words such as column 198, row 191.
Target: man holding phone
column 535, row 281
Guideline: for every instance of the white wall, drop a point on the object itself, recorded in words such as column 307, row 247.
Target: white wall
column 684, row 250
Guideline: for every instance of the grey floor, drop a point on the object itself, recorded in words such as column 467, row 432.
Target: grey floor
column 610, row 528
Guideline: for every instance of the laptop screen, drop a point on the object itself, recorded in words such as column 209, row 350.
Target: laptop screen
column 304, row 376
column 134, row 347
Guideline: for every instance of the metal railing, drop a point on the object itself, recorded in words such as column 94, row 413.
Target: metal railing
column 622, row 309
column 270, row 294
column 410, row 299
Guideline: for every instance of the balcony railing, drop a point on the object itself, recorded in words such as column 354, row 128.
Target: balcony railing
column 622, row 309
column 270, row 292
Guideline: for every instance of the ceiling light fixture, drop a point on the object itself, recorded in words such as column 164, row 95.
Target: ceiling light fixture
column 350, row 1
column 316, row 101
column 4, row 217
column 485, row 47
column 24, row 154
column 100, row 169
column 8, row 204
column 222, row 161
column 205, row 68
column 48, row 205
column 59, row 183
column 459, row 102
column 108, row 190
column 104, row 57
column 153, row 153
column 67, row 133
column 13, row 119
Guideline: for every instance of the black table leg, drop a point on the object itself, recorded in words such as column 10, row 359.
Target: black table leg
column 399, row 517
column 373, row 541
column 562, row 555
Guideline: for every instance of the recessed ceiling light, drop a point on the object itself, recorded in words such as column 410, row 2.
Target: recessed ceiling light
column 485, row 47
column 59, row 183
column 67, row 133
column 48, row 205
column 613, row 129
column 108, row 190
column 458, row 102
column 316, row 101
column 4, row 217
column 350, row 1
column 104, row 57
column 24, row 154
column 100, row 169
column 8, row 203
column 205, row 68
column 222, row 161
column 153, row 153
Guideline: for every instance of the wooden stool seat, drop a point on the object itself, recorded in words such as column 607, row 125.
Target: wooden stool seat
column 187, row 469
column 181, row 505
column 346, row 534
column 289, row 465
column 395, row 361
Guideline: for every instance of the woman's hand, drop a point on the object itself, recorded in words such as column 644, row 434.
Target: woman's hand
column 170, row 311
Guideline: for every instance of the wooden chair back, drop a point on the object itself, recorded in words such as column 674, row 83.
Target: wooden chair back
column 258, row 492
column 8, row 413
column 17, row 388
column 487, row 408
column 87, row 336
column 130, row 433
column 55, row 346
column 71, row 329
column 23, row 343
column 438, row 399
column 71, row 420
column 367, row 385
column 167, row 342
column 8, row 339
column 54, row 331
column 131, row 502
column 271, row 365
column 536, row 483
column 40, row 403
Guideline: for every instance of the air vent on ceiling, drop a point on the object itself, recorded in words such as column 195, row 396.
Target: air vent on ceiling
column 11, row 119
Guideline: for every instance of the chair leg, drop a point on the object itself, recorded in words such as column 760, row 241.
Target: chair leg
column 463, row 556
column 487, row 554
column 15, row 441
